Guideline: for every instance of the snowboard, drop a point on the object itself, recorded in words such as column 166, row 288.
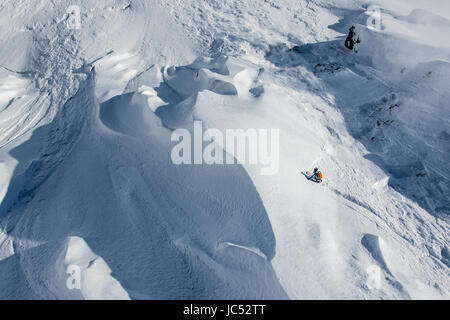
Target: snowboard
column 308, row 175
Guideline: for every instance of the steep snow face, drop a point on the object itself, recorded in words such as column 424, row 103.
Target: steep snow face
column 92, row 205
column 402, row 118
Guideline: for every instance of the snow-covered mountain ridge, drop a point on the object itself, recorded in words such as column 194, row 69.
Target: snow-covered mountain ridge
column 87, row 185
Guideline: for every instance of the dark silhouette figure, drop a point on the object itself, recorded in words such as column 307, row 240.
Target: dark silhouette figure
column 351, row 39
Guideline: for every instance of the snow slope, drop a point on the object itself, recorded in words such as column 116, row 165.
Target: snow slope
column 88, row 185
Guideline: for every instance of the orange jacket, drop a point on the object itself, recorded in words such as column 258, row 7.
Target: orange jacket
column 319, row 175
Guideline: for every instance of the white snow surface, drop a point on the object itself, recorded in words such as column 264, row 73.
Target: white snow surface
column 86, row 177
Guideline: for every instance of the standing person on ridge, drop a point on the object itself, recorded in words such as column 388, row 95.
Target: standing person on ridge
column 351, row 40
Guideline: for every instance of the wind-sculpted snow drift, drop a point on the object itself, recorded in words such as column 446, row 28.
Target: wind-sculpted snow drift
column 173, row 223
column 93, row 207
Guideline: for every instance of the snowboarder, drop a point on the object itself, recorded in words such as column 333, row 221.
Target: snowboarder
column 317, row 176
column 351, row 39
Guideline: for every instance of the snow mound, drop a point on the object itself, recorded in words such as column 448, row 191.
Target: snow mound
column 180, row 210
column 191, row 79
column 92, row 272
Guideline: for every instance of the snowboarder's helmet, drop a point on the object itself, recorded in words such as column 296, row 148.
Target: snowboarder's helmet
column 315, row 169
